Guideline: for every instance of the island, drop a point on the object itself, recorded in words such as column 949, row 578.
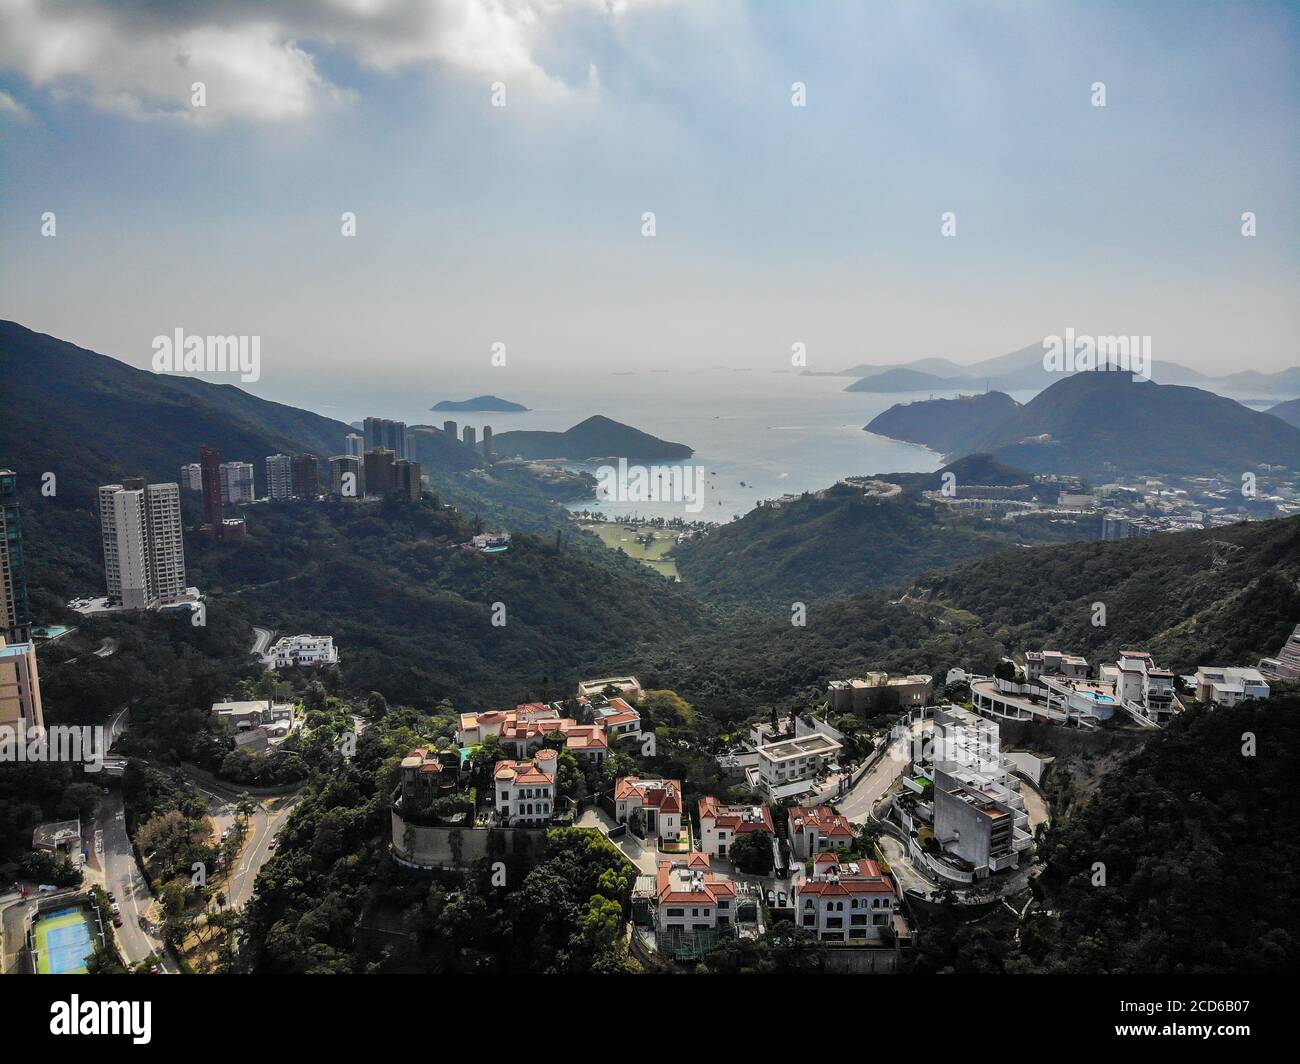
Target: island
column 597, row 437
column 481, row 404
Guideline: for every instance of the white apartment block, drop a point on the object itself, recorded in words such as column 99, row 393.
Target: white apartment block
column 1229, row 686
column 304, row 650
column 524, row 791
column 784, row 764
column 192, row 477
column 626, row 686
column 279, row 476
column 236, row 482
column 144, row 554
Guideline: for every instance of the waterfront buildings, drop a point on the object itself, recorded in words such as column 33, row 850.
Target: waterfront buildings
column 144, row 555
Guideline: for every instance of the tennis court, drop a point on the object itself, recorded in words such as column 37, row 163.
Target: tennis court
column 63, row 941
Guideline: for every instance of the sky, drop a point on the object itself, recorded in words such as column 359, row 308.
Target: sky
column 774, row 224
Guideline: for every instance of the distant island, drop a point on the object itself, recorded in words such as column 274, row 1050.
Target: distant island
column 597, row 437
column 481, row 403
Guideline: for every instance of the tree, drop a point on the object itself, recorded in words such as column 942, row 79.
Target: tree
column 752, row 853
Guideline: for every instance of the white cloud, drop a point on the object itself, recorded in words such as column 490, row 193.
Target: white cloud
column 258, row 60
column 11, row 107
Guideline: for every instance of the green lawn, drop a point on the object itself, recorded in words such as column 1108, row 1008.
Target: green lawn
column 619, row 537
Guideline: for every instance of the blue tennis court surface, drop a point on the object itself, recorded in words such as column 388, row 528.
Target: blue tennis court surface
column 63, row 942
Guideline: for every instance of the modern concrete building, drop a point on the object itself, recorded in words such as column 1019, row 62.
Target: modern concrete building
column 346, row 477
column 378, row 472
column 15, row 618
column 487, row 441
column 1286, row 665
column 627, row 686
column 246, row 715
column 1229, row 686
column 878, row 692
column 381, row 433
column 305, row 473
column 144, row 554
column 450, row 428
column 279, row 477
column 192, row 477
column 237, row 483
column 468, row 435
column 213, row 496
column 979, row 815
column 21, row 717
column 303, row 650
column 407, row 483
column 354, row 445
column 788, row 767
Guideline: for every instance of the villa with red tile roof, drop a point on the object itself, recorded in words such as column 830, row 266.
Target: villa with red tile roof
column 524, row 792
column 659, row 800
column 817, row 829
column 692, row 898
column 845, row 902
column 427, row 774
column 523, row 730
column 720, row 824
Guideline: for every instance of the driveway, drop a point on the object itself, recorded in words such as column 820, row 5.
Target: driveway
column 867, row 792
column 642, row 854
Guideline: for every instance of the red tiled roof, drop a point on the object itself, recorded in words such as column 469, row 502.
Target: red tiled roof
column 822, row 818
column 733, row 817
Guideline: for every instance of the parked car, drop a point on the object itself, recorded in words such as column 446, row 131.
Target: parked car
column 115, row 908
column 781, row 900
column 272, row 844
column 46, row 888
column 771, row 896
column 117, row 919
column 112, row 896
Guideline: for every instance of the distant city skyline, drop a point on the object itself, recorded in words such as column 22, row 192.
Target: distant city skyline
column 774, row 224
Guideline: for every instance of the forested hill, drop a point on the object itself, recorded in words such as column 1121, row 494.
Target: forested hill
column 93, row 419
column 839, row 541
column 943, row 424
column 1225, row 596
column 1101, row 421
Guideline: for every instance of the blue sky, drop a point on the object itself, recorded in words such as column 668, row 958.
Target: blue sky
column 775, row 224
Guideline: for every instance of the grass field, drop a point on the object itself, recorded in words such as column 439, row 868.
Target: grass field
column 63, row 942
column 619, row 537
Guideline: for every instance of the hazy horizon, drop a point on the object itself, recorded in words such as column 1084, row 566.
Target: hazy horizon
column 522, row 224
